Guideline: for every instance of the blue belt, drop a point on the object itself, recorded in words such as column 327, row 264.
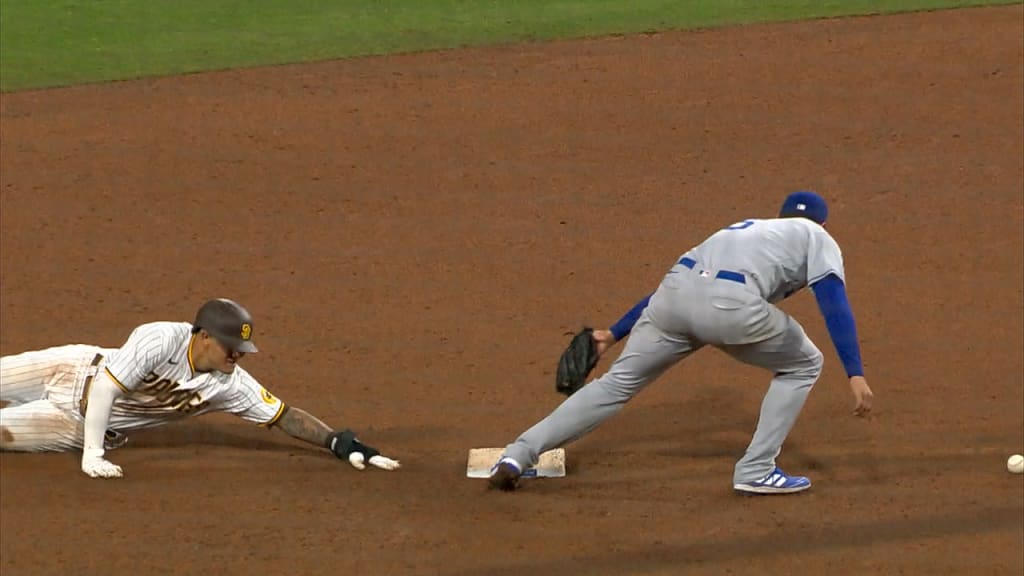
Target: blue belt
column 722, row 274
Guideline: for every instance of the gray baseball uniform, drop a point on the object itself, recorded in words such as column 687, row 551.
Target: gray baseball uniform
column 720, row 293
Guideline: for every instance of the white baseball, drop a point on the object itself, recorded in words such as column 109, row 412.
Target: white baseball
column 1015, row 464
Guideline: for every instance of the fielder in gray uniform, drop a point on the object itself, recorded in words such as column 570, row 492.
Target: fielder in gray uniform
column 722, row 293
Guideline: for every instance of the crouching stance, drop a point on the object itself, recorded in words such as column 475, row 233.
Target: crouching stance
column 722, row 293
column 87, row 397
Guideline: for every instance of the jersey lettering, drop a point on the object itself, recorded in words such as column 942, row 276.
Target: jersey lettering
column 155, row 366
column 167, row 393
column 740, row 225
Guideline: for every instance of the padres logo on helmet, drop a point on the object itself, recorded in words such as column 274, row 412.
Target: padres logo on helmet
column 228, row 322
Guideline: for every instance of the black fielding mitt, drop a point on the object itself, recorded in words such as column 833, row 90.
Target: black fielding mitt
column 576, row 362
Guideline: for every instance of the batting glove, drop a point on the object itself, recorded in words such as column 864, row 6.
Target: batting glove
column 96, row 466
column 344, row 444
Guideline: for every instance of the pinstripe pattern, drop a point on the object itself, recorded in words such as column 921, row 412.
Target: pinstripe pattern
column 154, row 367
column 249, row 400
column 43, row 387
column 237, row 393
column 26, row 377
column 39, row 426
column 156, row 347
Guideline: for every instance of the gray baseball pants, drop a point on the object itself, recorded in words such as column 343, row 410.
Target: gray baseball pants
column 689, row 310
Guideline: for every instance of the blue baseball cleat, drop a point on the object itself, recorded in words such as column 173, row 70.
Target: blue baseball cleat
column 775, row 483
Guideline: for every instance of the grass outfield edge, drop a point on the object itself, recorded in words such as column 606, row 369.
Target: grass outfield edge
column 981, row 5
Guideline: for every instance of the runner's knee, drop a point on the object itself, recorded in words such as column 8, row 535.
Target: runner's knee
column 37, row 427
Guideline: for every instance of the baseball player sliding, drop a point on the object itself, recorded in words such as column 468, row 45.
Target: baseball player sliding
column 87, row 397
column 721, row 293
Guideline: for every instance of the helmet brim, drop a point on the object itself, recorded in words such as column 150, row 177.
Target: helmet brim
column 236, row 344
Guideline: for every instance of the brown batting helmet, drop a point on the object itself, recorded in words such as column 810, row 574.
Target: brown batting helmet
column 228, row 322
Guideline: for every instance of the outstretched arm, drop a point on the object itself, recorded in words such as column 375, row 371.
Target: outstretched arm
column 830, row 293
column 624, row 326
column 605, row 339
column 302, row 425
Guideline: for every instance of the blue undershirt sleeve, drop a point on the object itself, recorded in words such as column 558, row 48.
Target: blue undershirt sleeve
column 835, row 307
column 625, row 324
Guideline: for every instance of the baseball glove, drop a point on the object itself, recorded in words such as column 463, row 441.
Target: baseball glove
column 576, row 362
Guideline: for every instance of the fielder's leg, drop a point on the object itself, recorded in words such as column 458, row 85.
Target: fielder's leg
column 648, row 353
column 797, row 363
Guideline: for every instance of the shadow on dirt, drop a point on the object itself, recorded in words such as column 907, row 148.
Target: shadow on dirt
column 209, row 432
column 809, row 541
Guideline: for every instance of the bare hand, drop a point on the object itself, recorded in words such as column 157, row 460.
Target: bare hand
column 604, row 340
column 862, row 396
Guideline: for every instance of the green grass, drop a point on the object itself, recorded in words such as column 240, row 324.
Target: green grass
column 58, row 42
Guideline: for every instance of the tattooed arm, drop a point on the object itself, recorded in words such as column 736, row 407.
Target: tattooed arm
column 300, row 424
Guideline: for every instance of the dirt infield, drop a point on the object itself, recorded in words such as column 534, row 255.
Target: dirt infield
column 415, row 234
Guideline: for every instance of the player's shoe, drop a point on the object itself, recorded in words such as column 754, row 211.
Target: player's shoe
column 778, row 482
column 112, row 440
column 505, row 475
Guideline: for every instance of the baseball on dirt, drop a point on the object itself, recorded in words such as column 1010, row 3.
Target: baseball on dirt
column 1015, row 464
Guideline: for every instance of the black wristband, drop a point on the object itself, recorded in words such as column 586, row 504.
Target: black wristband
column 340, row 442
column 368, row 451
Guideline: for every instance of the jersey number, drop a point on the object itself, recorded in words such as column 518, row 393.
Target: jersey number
column 740, row 225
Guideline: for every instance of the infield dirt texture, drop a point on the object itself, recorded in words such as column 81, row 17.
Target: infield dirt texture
column 415, row 234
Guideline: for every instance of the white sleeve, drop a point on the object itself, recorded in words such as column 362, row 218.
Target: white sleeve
column 823, row 257
column 146, row 347
column 102, row 394
column 249, row 400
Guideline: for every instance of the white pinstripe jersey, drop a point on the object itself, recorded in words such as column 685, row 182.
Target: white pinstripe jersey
column 154, row 369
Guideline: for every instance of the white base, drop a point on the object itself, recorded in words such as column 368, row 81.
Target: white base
column 481, row 460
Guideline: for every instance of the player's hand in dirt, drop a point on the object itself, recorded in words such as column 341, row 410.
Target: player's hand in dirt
column 345, row 445
column 96, row 466
column 862, row 395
